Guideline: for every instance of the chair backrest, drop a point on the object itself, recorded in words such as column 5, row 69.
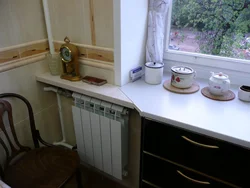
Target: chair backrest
column 3, row 157
column 10, row 145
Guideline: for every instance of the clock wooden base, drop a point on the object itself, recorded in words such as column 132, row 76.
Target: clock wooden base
column 71, row 78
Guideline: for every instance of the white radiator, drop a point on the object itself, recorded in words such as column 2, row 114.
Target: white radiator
column 101, row 130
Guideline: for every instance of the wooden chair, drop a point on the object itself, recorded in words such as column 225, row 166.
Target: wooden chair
column 23, row 167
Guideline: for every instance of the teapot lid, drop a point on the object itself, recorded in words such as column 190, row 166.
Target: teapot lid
column 220, row 76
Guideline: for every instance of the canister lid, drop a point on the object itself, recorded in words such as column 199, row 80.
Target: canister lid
column 220, row 75
column 182, row 70
column 154, row 65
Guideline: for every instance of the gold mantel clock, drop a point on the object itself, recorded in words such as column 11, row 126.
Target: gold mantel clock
column 70, row 65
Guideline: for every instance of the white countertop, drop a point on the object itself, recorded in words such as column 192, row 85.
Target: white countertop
column 228, row 120
column 106, row 92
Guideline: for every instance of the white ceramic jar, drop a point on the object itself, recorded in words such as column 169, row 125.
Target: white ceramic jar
column 219, row 83
column 153, row 72
column 244, row 93
column 182, row 77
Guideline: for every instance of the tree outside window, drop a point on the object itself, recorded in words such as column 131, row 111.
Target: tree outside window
column 216, row 27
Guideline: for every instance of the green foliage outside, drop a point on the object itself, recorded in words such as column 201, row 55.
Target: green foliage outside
column 223, row 25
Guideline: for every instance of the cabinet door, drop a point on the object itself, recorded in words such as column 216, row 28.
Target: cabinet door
column 164, row 174
column 148, row 185
column 211, row 156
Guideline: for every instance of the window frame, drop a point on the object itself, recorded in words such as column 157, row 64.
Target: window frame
column 201, row 60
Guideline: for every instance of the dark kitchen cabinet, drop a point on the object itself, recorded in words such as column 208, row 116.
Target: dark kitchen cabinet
column 165, row 174
column 181, row 158
column 147, row 185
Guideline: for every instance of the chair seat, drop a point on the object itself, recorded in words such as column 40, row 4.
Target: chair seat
column 46, row 167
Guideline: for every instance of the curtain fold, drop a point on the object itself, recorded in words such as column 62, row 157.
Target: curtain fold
column 156, row 30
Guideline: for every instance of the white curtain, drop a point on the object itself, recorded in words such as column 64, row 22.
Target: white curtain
column 156, row 30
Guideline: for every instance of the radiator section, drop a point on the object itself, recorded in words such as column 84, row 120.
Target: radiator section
column 79, row 132
column 101, row 130
column 106, row 138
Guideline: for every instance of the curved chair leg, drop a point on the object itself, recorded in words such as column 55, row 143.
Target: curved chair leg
column 79, row 178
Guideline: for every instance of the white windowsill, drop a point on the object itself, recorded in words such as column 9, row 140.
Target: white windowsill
column 219, row 119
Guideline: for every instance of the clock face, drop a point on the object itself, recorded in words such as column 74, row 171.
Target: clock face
column 66, row 54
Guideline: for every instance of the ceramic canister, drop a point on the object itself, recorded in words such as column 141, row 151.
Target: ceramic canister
column 182, row 76
column 244, row 93
column 153, row 72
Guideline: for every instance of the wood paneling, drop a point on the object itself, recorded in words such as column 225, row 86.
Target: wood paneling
column 91, row 52
column 13, row 64
column 72, row 19
column 101, row 55
column 92, row 22
column 83, row 21
column 24, row 51
column 9, row 55
column 103, row 16
column 83, row 52
column 21, row 22
column 34, row 49
column 7, row 27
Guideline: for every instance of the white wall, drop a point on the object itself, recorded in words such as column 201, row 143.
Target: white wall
column 130, row 29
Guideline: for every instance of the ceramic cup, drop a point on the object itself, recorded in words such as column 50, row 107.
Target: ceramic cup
column 244, row 93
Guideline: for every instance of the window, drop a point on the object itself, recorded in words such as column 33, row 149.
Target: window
column 215, row 32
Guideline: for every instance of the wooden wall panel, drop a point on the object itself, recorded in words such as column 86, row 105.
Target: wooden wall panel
column 72, row 19
column 91, row 52
column 30, row 19
column 21, row 22
column 7, row 30
column 103, row 19
column 24, row 51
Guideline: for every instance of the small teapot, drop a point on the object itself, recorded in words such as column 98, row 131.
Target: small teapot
column 219, row 83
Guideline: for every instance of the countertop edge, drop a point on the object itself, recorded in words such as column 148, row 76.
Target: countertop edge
column 86, row 92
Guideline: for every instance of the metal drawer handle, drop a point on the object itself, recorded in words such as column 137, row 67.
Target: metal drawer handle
column 193, row 180
column 199, row 144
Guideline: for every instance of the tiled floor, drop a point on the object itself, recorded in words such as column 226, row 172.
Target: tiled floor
column 93, row 179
